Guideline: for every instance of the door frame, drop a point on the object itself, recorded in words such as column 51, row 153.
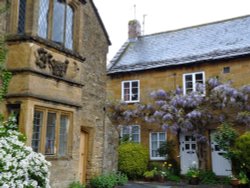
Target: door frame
column 181, row 150
column 83, row 154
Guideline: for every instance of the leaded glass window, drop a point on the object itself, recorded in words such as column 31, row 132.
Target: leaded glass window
column 51, row 130
column 43, row 18
column 63, row 135
column 61, row 24
column 37, row 126
column 58, row 21
column 21, row 16
column 69, row 28
column 50, row 135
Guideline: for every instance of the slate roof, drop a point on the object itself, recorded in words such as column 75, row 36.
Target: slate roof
column 218, row 40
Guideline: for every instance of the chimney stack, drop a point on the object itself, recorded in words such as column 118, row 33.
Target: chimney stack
column 134, row 29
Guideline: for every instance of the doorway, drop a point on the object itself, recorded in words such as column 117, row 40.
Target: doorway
column 84, row 137
column 220, row 165
column 188, row 155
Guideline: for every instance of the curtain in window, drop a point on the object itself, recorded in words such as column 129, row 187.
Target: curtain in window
column 37, row 126
column 50, row 134
column 58, row 21
column 64, row 126
column 69, row 28
column 21, row 16
column 42, row 19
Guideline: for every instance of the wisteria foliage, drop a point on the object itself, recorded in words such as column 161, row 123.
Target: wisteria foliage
column 195, row 112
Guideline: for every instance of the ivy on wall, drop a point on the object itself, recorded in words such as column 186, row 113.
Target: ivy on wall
column 5, row 75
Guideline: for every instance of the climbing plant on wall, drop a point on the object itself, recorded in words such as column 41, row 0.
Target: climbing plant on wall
column 5, row 75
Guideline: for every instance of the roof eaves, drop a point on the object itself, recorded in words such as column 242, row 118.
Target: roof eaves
column 175, row 62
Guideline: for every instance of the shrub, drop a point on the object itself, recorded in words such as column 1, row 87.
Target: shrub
column 108, row 180
column 121, row 178
column 133, row 159
column 174, row 178
column 19, row 165
column 208, row 177
column 242, row 151
column 76, row 184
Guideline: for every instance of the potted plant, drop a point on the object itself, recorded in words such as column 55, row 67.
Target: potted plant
column 149, row 175
column 234, row 181
column 243, row 180
column 193, row 174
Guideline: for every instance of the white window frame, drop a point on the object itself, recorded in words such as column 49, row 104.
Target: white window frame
column 130, row 132
column 130, row 91
column 158, row 145
column 193, row 81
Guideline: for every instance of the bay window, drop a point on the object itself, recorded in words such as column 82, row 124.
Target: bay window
column 60, row 27
column 51, row 129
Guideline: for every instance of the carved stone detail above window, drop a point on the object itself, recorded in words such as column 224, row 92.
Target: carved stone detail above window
column 45, row 59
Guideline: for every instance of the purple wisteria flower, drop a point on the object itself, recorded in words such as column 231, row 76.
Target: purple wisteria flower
column 194, row 114
column 213, row 82
column 158, row 114
column 167, row 117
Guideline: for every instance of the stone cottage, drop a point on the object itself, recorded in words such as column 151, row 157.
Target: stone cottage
column 57, row 55
column 182, row 57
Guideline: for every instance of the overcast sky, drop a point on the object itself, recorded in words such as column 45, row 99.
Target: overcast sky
column 163, row 15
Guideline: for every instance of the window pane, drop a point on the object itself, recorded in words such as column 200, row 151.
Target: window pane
column 162, row 137
column 154, row 136
column 42, row 19
column 189, row 85
column 135, row 138
column 50, row 134
column 21, row 16
column 126, row 85
column 58, row 21
column 63, row 137
column 37, row 126
column 199, row 77
column 135, row 129
column 135, row 84
column 188, row 78
column 69, row 28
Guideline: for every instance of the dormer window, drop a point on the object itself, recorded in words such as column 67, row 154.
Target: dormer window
column 60, row 27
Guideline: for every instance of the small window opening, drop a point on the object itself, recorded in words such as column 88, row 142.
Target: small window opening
column 226, row 70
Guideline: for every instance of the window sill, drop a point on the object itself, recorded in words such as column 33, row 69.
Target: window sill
column 55, row 158
column 47, row 43
column 157, row 158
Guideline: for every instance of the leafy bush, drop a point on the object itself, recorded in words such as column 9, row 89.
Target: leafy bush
column 108, row 180
column 208, row 177
column 174, row 178
column 19, row 165
column 167, row 148
column 133, row 159
column 242, row 151
column 76, row 184
column 225, row 137
column 121, row 178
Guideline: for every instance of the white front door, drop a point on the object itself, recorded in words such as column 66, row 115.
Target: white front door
column 220, row 165
column 188, row 153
